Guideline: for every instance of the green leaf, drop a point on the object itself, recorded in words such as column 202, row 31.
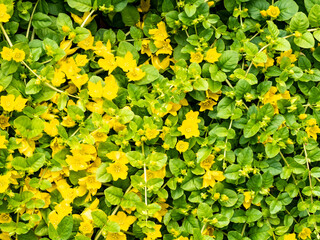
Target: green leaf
column 99, row 218
column 315, row 172
column 253, row 215
column 250, row 49
column 245, row 157
column 80, row 5
column 281, row 44
column 251, row 129
column 33, row 86
column 41, row 20
column 288, row 8
column 273, row 29
column 64, row 229
column 113, row 195
column 314, row 16
column 81, row 34
column 272, row 150
column 27, row 127
column 260, row 57
column 152, row 74
column 36, row 161
column 156, row 161
column 299, row 22
column 310, row 3
column 111, row 227
column 228, row 60
column 305, row 41
column 63, row 20
column 130, row 15
column 275, row 206
column 125, row 47
column 130, row 200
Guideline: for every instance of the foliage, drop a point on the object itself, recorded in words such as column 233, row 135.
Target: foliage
column 127, row 119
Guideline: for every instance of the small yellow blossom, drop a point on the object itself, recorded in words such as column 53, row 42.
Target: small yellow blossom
column 247, row 199
column 87, row 43
column 305, row 234
column 210, row 178
column 182, row 146
column 116, row 236
column 127, row 62
column 4, row 183
column 155, row 234
column 151, row 133
column 189, row 128
column 4, row 16
column 6, row 53
column 264, row 13
column 273, row 11
column 207, row 105
column 118, row 170
column 86, row 227
column 291, row 236
column 18, row 55
column 110, row 90
column 207, row 163
column 123, row 220
column 303, row 116
column 95, row 89
column 212, row 55
column 81, row 60
column 51, row 127
column 160, row 33
column 196, row 57
column 135, row 74
column 287, row 54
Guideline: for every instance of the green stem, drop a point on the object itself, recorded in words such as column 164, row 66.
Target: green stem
column 31, row 17
column 309, row 172
column 225, row 149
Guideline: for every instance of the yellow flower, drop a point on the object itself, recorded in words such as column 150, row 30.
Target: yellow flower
column 182, row 146
column 210, row 178
column 267, row 64
column 27, row 146
column 4, row 16
column 99, row 136
column 77, row 163
column 81, row 60
column 291, row 236
column 108, row 63
column 288, row 54
column 151, row 133
column 5, row 218
column 3, row 142
column 63, row 208
column 96, row 106
column 212, row 55
column 7, row 102
column 58, row 78
column 155, row 234
column 20, row 103
column 164, row 47
column 80, row 79
column 181, row 238
column 264, row 13
column 86, row 227
column 123, row 220
column 54, row 219
column 118, row 156
column 51, row 127
column 158, row 215
column 5, row 236
column 303, row 116
column 110, row 90
column 207, row 163
column 6, row 53
column 67, row 121
column 312, row 131
column 80, row 20
column 4, row 183
column 116, row 236
column 305, row 233
column 90, row 182
column 118, row 170
column 145, row 47
column 164, row 64
column 4, row 122
column 312, row 122
column 18, row 55
column 95, row 89
column 207, row 105
column 127, row 62
column 87, row 43
column 196, row 57
column 193, row 116
column 189, row 128
column 247, row 199
column 160, row 33
column 273, row 11
column 135, row 74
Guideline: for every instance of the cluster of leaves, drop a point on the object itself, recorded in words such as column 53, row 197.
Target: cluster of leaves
column 127, row 119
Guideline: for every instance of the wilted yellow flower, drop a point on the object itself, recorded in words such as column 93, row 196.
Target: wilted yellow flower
column 4, row 122
column 207, row 105
column 5, row 217
column 247, row 199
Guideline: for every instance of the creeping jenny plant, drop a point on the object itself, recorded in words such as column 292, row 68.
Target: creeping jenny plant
column 160, row 119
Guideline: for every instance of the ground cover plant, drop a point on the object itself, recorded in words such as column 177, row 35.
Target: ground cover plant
column 161, row 119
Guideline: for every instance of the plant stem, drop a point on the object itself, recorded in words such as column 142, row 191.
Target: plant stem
column 225, row 149
column 309, row 172
column 31, row 17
